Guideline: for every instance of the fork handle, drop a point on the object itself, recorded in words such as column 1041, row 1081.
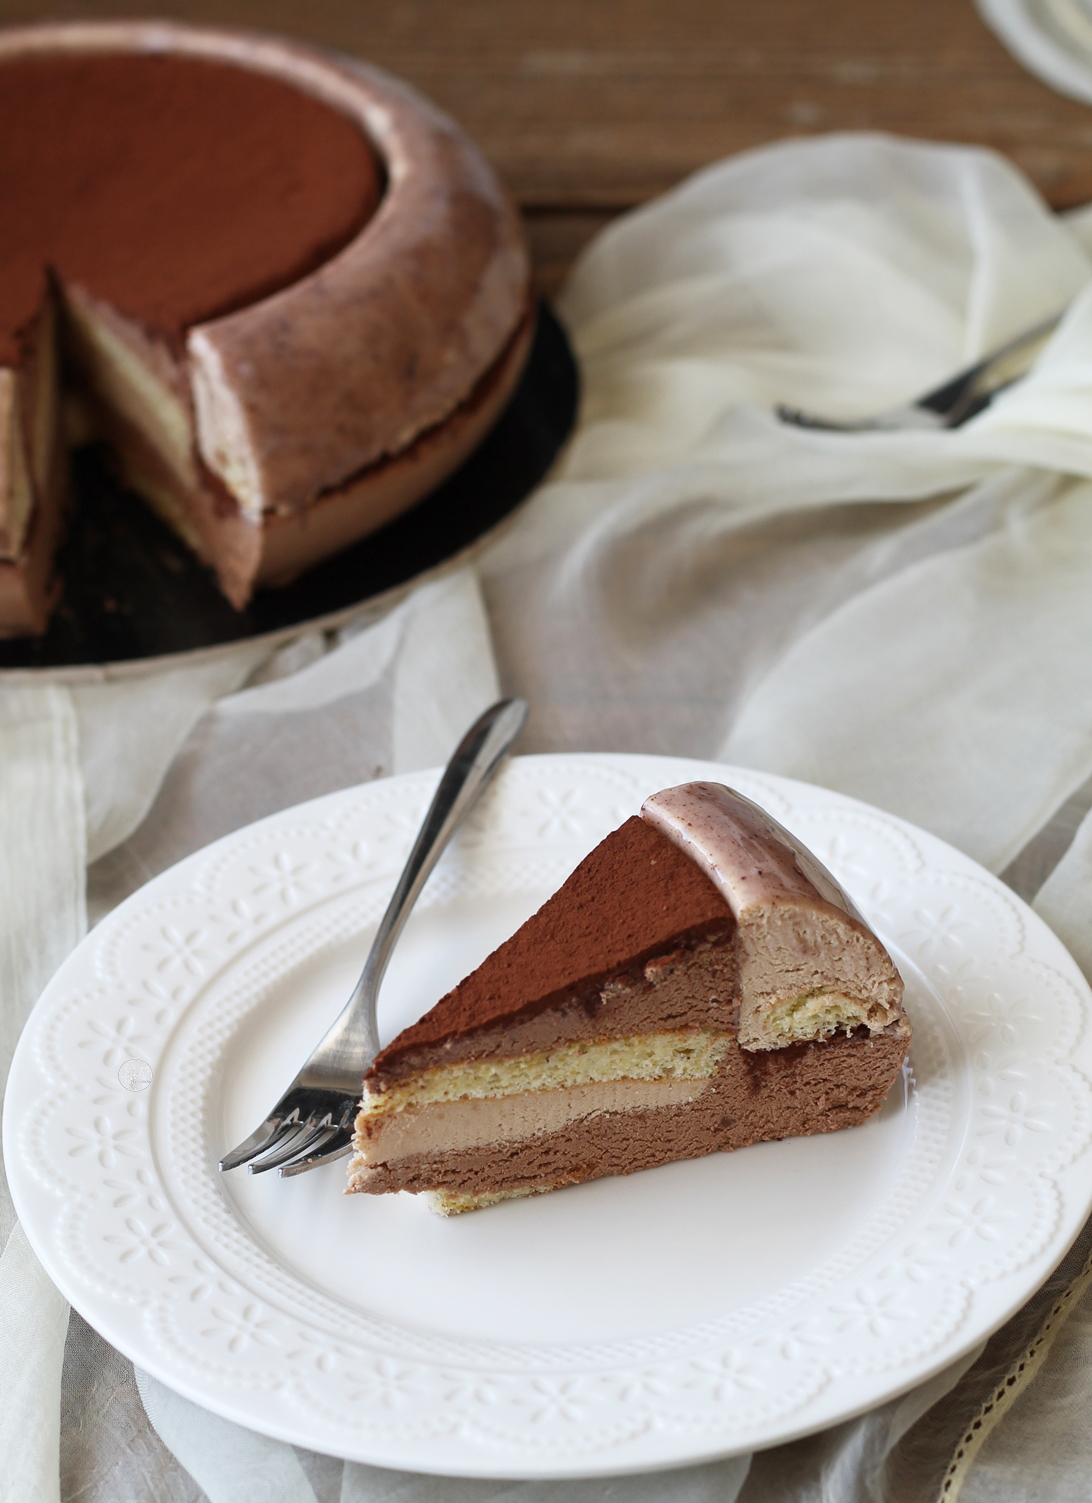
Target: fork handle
column 352, row 1042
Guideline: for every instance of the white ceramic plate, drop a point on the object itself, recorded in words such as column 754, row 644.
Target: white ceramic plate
column 676, row 1315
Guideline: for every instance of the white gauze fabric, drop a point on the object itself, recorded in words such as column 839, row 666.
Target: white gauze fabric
column 762, row 575
column 130, row 729
column 42, row 916
column 973, row 697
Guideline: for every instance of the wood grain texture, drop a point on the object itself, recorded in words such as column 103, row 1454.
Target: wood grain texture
column 590, row 106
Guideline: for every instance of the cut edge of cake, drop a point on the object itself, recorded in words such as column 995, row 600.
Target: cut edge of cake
column 33, row 475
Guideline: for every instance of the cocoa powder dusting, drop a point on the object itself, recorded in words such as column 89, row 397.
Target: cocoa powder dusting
column 174, row 188
column 635, row 896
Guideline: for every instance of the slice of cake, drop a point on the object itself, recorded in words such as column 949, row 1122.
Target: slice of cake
column 287, row 292
column 700, row 983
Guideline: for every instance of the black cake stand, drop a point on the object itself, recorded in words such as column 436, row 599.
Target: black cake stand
column 132, row 591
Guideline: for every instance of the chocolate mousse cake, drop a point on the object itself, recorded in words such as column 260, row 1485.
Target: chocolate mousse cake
column 700, row 983
column 286, row 290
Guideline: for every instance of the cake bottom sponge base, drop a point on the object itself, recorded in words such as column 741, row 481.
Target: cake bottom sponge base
column 796, row 1091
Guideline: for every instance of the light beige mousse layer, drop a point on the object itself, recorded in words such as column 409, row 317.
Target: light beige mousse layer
column 504, row 1101
column 450, row 1126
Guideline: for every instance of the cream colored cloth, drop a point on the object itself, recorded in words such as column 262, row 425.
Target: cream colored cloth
column 130, row 730
column 815, row 603
column 390, row 696
column 972, row 710
column 42, row 838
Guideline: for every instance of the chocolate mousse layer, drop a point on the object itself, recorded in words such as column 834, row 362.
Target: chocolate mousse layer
column 755, row 1098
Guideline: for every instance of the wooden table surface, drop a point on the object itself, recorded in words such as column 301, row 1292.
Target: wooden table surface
column 588, row 107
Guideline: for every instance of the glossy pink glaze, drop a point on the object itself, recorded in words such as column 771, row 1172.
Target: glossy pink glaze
column 746, row 853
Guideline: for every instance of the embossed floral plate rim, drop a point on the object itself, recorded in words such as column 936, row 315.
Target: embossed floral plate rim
column 116, row 1188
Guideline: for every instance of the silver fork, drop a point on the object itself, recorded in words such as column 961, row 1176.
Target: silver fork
column 312, row 1123
column 954, row 402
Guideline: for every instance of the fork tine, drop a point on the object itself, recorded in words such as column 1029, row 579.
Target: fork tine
column 336, row 1147
column 308, row 1133
column 271, row 1131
